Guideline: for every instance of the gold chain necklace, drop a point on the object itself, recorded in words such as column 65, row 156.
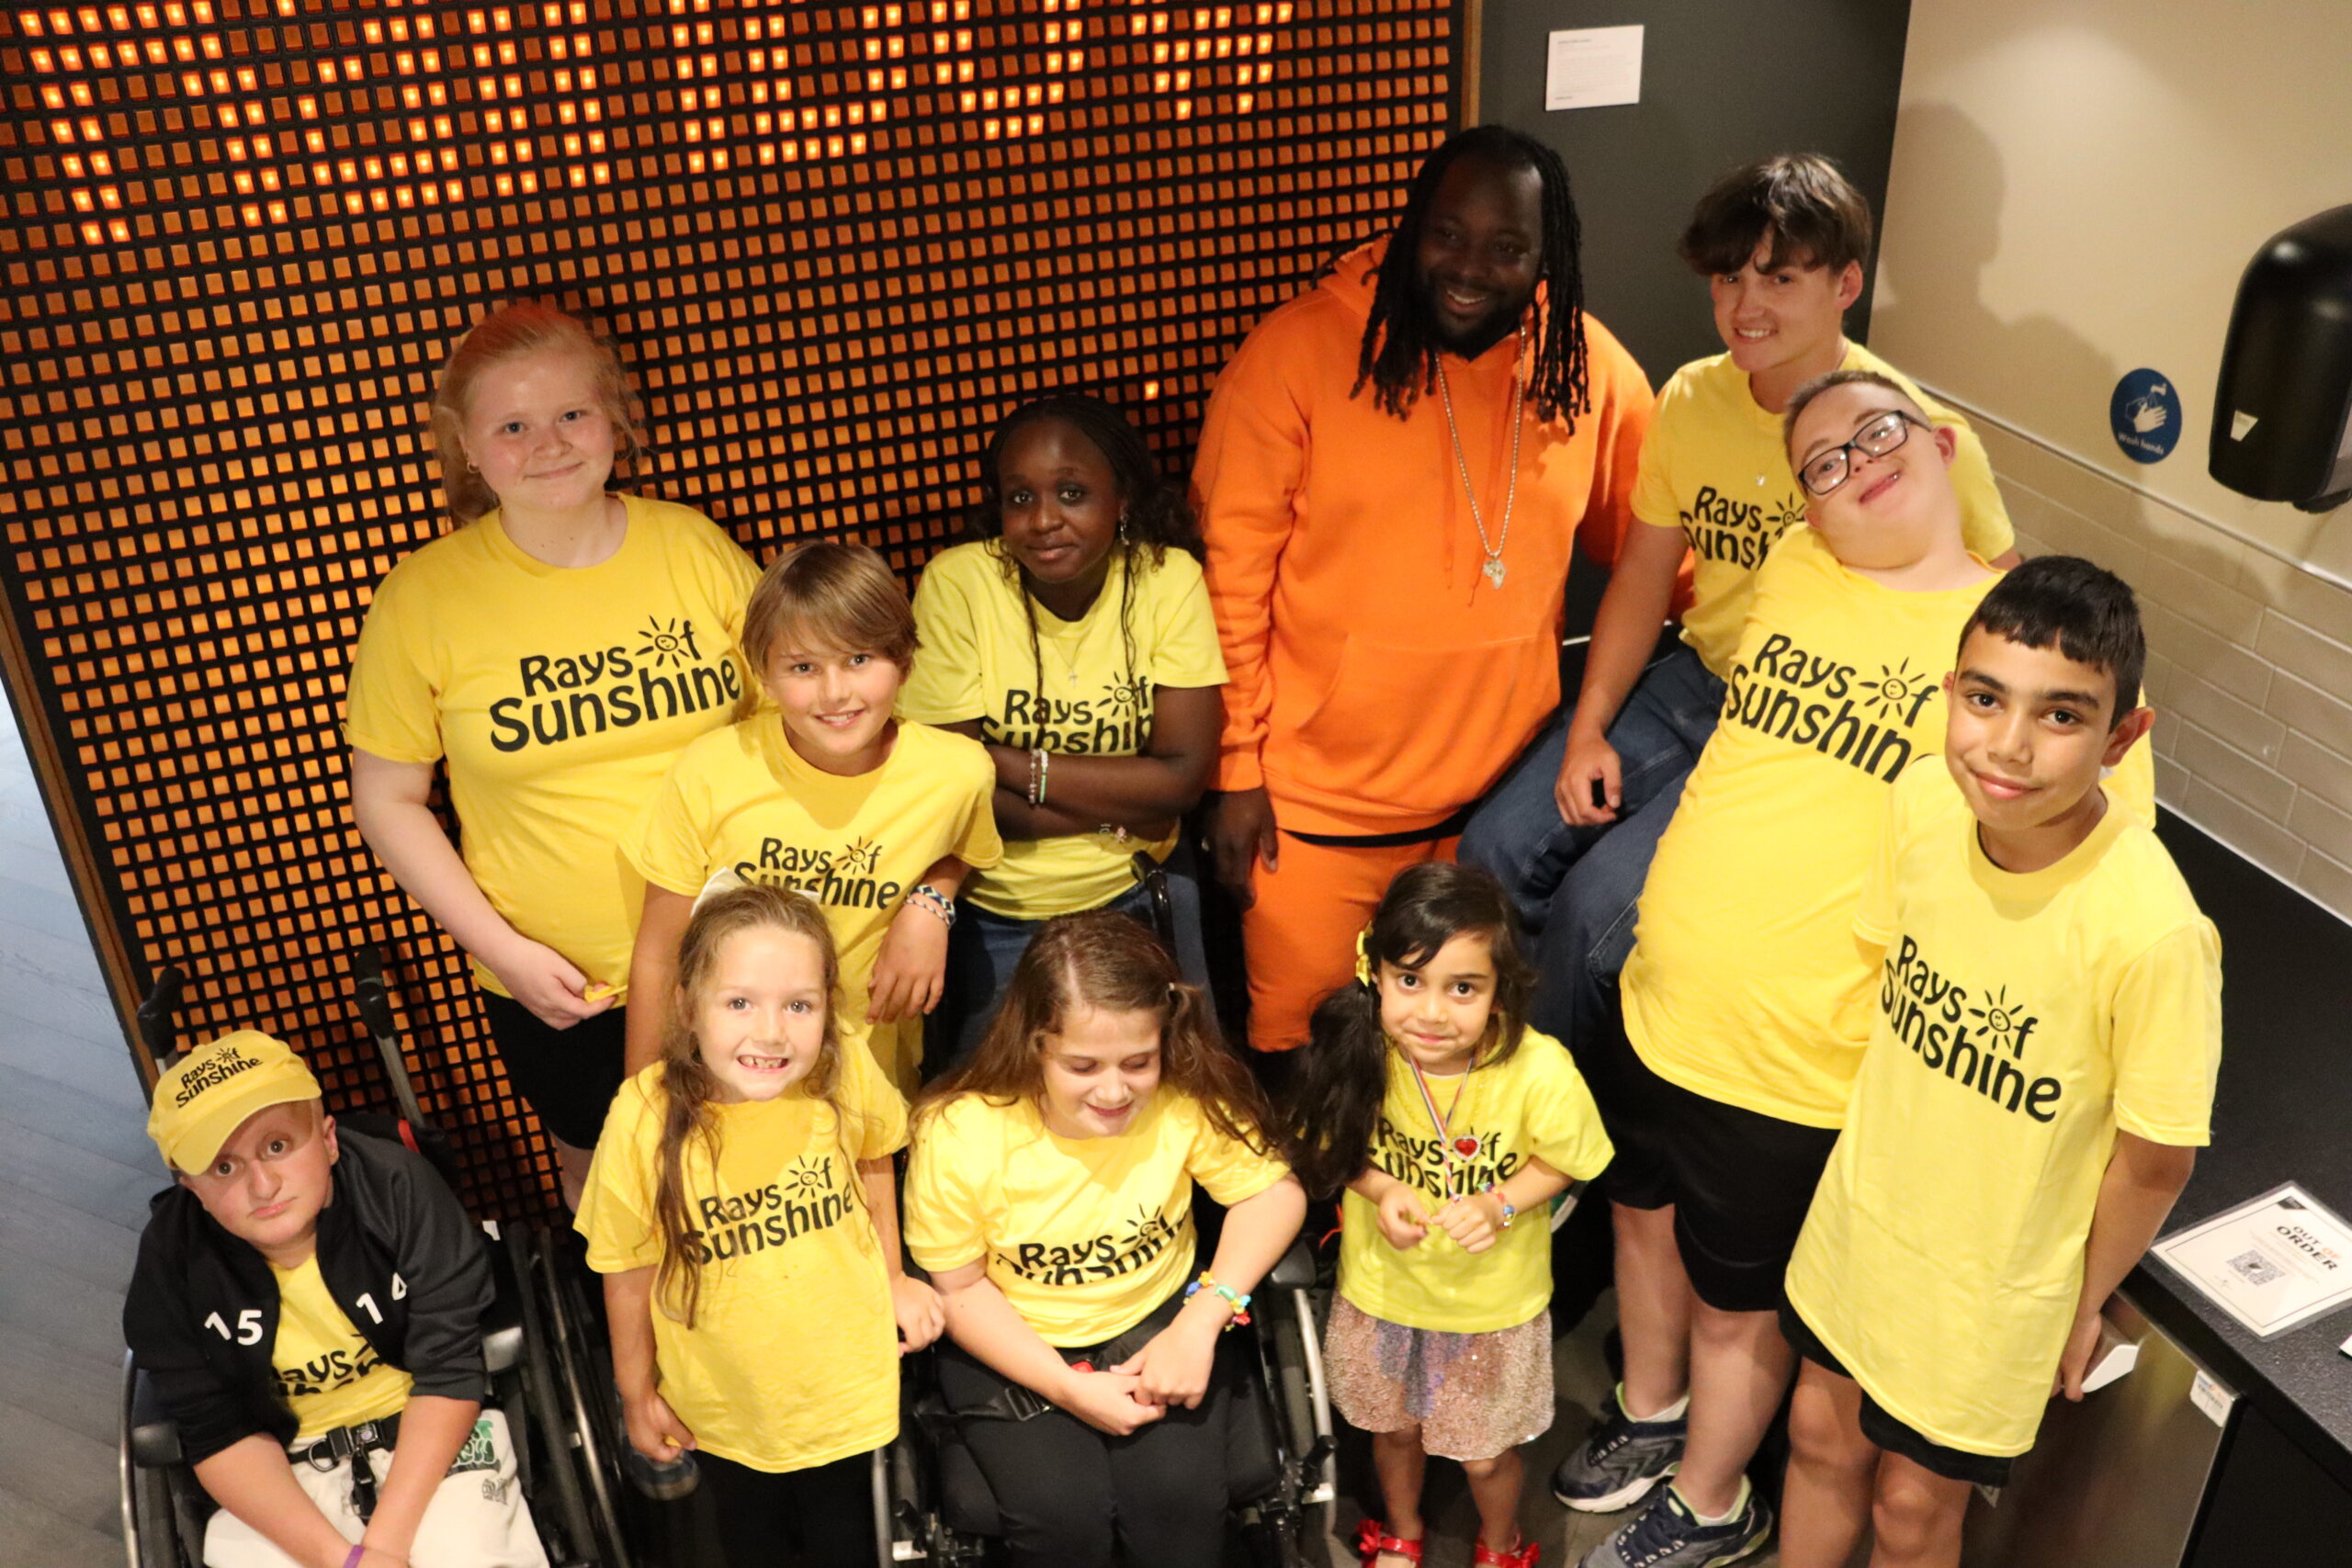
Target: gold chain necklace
column 1492, row 549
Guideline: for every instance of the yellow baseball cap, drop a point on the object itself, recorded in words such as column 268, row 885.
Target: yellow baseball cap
column 215, row 1086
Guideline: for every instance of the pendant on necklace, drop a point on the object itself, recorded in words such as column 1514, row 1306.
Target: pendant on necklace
column 1494, row 569
column 1465, row 1146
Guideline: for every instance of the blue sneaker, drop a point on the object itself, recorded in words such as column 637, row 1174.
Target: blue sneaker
column 1619, row 1461
column 1667, row 1535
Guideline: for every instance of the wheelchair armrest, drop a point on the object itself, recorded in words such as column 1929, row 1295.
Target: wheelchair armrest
column 154, row 1441
column 1296, row 1271
column 502, row 1348
column 501, row 1324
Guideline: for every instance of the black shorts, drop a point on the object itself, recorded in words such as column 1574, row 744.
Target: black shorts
column 1739, row 1181
column 1637, row 1176
column 568, row 1076
column 1880, row 1427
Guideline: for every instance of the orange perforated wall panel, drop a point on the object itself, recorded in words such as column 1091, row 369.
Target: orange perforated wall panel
column 836, row 243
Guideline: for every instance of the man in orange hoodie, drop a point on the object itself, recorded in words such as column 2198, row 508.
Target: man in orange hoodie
column 1393, row 475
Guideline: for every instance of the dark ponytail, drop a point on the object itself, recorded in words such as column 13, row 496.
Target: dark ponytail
column 1333, row 1104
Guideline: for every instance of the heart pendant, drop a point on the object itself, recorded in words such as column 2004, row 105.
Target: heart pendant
column 1465, row 1146
column 1495, row 571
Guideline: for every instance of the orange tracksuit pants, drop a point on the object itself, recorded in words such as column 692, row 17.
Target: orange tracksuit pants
column 1300, row 936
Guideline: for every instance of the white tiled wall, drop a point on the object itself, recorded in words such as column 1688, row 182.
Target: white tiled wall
column 2249, row 665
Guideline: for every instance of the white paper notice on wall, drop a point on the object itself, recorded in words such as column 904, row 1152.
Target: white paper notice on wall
column 1592, row 67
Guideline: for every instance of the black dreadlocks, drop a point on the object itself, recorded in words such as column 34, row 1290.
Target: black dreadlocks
column 1399, row 354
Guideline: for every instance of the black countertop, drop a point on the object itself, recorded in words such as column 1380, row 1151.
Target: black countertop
column 2283, row 1113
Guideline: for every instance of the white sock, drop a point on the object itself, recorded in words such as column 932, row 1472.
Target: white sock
column 1738, row 1502
column 1674, row 1412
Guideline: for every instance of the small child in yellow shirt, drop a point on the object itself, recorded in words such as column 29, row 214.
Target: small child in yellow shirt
column 748, row 1165
column 876, row 818
column 1050, row 1196
column 1445, row 1119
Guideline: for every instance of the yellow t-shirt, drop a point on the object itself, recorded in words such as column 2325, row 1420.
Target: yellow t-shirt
column 1713, row 465
column 1084, row 1235
column 559, row 695
column 742, row 800
column 793, row 1360
column 328, row 1373
column 1535, row 1104
column 2021, row 1019
column 1100, row 671
column 1746, row 983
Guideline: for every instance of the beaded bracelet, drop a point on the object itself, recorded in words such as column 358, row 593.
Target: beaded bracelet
column 1509, row 1212
column 1239, row 1304
column 925, row 895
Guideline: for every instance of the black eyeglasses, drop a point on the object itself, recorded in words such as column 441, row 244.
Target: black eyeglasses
column 1876, row 439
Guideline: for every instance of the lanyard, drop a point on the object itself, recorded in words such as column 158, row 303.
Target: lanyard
column 1453, row 1149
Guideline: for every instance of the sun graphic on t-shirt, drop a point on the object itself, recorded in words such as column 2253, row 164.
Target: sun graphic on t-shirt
column 1125, row 696
column 1784, row 516
column 1146, row 1224
column 2003, row 1022
column 667, row 642
column 809, row 1177
column 1893, row 689
column 860, row 856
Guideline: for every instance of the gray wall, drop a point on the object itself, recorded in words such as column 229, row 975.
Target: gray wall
column 1722, row 80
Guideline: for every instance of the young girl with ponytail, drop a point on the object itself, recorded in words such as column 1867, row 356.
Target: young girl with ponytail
column 742, row 1211
column 1451, row 1125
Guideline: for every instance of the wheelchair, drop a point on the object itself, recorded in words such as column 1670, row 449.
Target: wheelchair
column 545, row 1356
column 1280, row 1477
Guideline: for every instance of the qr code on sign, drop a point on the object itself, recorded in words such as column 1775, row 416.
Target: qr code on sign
column 2255, row 1269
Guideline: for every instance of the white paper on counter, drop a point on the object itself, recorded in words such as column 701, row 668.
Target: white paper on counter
column 2272, row 1262
column 1592, row 67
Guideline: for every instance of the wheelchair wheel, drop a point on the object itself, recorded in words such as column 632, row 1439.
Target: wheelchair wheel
column 163, row 1513
column 584, row 1363
column 1293, row 1361
column 569, row 1535
column 158, row 1523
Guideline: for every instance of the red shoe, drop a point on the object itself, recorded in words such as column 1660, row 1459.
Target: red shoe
column 1372, row 1540
column 1524, row 1556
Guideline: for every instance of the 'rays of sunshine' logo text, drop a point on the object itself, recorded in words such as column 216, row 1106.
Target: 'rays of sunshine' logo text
column 1979, row 1042
column 1810, row 700
column 660, row 673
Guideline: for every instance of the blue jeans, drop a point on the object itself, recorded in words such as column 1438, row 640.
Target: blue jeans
column 983, row 949
column 1575, row 887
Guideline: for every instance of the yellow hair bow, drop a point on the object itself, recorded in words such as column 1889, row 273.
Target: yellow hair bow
column 1363, row 957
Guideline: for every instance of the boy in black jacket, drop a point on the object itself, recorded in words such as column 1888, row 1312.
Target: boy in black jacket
column 309, row 1306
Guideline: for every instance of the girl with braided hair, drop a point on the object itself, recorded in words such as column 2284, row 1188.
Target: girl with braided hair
column 1073, row 639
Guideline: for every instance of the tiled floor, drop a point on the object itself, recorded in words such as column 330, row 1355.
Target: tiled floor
column 1580, row 1380
column 75, row 1174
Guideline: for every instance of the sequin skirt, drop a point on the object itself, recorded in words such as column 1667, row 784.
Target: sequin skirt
column 1475, row 1396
